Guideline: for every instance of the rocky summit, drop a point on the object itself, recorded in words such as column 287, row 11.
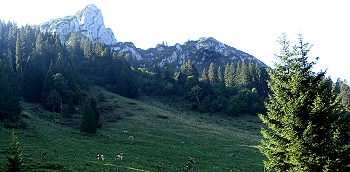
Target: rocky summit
column 88, row 22
column 202, row 52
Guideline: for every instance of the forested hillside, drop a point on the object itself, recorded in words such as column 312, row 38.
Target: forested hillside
column 54, row 74
column 38, row 68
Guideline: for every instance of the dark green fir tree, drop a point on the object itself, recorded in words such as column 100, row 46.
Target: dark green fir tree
column 307, row 130
column 90, row 121
column 15, row 159
column 10, row 107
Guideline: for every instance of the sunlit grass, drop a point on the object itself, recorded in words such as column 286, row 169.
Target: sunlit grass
column 163, row 138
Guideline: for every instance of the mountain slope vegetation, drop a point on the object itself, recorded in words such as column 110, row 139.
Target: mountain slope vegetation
column 56, row 87
column 163, row 138
column 80, row 98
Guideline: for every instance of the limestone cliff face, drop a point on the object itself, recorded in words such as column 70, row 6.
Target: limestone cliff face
column 202, row 52
column 88, row 22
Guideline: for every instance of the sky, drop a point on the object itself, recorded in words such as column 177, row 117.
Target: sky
column 252, row 26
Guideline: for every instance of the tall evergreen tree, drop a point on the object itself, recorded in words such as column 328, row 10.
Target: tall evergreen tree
column 188, row 76
column 10, row 42
column 206, row 87
column 212, row 73
column 24, row 46
column 126, row 84
column 242, row 75
column 73, row 47
column 90, row 120
column 307, row 129
column 87, row 48
column 39, row 44
column 187, row 69
column 2, row 35
column 20, row 54
column 204, row 79
column 343, row 89
column 10, row 108
column 345, row 95
column 220, row 76
column 253, row 75
column 229, row 75
column 33, row 79
column 53, row 101
column 15, row 160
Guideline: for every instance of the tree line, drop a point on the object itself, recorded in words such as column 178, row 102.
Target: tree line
column 37, row 67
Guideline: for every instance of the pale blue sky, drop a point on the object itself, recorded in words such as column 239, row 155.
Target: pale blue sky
column 250, row 25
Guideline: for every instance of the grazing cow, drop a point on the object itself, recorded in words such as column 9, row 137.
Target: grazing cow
column 119, row 157
column 131, row 137
column 43, row 154
column 100, row 157
column 191, row 160
column 108, row 136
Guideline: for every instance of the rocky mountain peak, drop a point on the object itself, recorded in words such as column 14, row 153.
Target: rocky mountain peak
column 88, row 21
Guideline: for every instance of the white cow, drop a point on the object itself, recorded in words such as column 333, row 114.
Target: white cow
column 100, row 157
column 119, row 157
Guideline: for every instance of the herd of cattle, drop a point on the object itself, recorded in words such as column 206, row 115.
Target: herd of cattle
column 119, row 157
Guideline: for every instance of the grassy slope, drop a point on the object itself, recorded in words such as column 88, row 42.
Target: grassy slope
column 163, row 139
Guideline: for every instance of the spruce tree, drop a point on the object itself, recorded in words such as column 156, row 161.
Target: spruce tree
column 204, row 79
column 90, row 120
column 20, row 55
column 54, row 101
column 242, row 75
column 343, row 89
column 10, row 108
column 187, row 76
column 15, row 159
column 220, row 76
column 306, row 127
column 212, row 73
column 229, row 75
column 88, row 123
column 87, row 47
column 33, row 78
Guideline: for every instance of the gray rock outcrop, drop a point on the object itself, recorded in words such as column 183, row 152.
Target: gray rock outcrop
column 88, row 22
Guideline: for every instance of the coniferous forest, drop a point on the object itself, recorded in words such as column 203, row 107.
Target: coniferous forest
column 43, row 70
column 37, row 68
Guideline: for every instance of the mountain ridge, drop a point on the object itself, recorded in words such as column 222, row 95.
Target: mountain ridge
column 89, row 23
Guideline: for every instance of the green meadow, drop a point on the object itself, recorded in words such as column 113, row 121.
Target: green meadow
column 164, row 136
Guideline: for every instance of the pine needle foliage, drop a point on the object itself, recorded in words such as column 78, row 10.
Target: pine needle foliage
column 15, row 159
column 307, row 130
column 91, row 118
